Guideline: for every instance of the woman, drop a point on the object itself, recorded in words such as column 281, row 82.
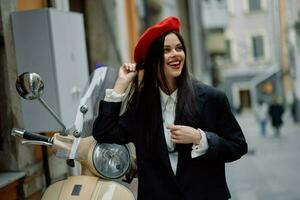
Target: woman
column 183, row 130
column 276, row 112
column 261, row 112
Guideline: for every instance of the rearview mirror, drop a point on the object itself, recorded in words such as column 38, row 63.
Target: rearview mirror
column 30, row 86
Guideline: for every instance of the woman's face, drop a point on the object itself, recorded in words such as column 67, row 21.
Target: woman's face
column 174, row 57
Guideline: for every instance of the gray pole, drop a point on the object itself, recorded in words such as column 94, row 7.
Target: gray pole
column 199, row 64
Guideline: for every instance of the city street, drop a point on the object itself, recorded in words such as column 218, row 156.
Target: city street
column 270, row 171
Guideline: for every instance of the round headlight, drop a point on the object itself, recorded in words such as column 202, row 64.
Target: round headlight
column 111, row 160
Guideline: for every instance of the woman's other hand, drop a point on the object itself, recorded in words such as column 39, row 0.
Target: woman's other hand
column 184, row 134
column 127, row 72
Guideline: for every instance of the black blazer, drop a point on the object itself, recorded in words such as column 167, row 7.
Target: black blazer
column 202, row 177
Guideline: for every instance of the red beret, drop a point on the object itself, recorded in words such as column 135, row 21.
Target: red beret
column 151, row 34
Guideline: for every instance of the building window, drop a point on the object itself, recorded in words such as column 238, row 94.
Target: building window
column 228, row 49
column 255, row 5
column 258, row 47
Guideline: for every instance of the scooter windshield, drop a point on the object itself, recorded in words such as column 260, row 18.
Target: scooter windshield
column 101, row 79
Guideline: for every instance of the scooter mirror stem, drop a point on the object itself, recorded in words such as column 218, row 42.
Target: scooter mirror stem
column 63, row 132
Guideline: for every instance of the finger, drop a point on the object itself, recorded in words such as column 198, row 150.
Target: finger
column 129, row 67
column 134, row 66
column 175, row 132
column 125, row 66
column 174, row 136
column 176, row 141
column 171, row 126
column 176, row 127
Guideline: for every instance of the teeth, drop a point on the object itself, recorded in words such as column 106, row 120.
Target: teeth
column 175, row 63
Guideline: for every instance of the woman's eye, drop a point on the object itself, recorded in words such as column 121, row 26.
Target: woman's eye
column 180, row 48
column 166, row 50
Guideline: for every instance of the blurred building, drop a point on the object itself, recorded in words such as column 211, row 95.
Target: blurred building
column 215, row 20
column 248, row 65
column 293, row 39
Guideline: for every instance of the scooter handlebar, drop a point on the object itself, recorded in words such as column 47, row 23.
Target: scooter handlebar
column 31, row 136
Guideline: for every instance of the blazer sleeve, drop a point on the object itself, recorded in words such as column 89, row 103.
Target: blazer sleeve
column 109, row 127
column 227, row 143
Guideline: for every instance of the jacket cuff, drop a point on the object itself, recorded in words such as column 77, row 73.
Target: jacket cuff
column 201, row 148
column 110, row 108
column 213, row 145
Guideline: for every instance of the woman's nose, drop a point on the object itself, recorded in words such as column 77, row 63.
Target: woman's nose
column 173, row 52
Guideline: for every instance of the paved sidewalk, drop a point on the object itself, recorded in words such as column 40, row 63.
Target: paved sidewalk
column 271, row 169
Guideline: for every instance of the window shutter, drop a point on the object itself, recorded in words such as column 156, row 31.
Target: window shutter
column 264, row 4
column 245, row 6
column 230, row 6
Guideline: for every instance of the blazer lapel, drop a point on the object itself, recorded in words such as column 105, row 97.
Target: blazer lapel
column 184, row 151
column 162, row 146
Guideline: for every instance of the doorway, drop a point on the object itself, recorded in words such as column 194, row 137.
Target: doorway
column 245, row 99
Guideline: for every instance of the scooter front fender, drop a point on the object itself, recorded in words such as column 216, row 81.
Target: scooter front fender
column 87, row 187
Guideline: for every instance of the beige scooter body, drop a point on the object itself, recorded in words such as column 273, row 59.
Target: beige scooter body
column 87, row 187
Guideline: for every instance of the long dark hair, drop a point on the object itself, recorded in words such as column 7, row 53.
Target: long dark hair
column 148, row 92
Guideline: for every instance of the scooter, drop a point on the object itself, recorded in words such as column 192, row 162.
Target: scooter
column 101, row 163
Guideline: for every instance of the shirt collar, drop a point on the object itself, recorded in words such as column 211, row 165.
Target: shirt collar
column 164, row 97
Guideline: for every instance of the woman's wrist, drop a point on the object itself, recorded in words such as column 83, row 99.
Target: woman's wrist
column 120, row 86
column 197, row 136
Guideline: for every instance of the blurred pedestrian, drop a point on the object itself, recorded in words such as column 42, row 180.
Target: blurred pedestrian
column 276, row 111
column 183, row 130
column 261, row 112
column 295, row 109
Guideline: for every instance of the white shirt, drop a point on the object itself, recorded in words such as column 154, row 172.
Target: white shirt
column 168, row 107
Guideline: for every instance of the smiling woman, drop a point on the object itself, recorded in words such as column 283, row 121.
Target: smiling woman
column 182, row 129
column 174, row 57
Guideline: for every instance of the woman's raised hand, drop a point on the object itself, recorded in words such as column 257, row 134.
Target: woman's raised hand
column 184, row 134
column 127, row 72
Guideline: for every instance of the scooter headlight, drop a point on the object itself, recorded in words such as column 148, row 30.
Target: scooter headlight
column 111, row 160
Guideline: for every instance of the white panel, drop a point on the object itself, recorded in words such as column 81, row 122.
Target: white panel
column 55, row 48
column 70, row 60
